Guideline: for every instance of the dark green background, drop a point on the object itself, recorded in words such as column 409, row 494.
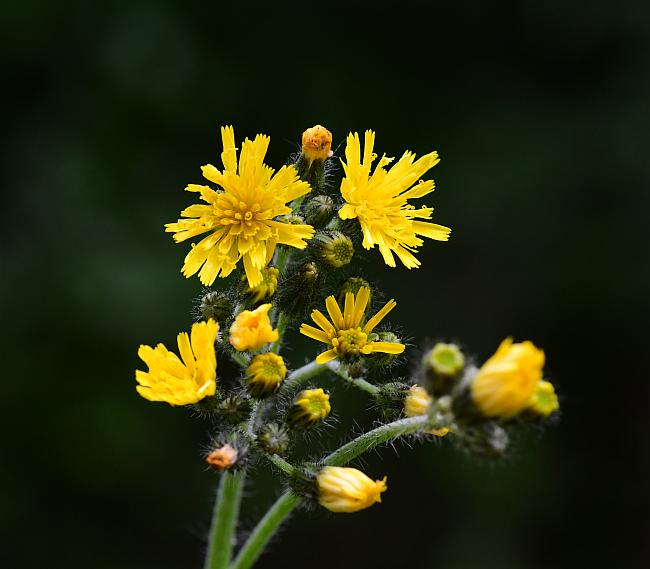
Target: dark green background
column 540, row 113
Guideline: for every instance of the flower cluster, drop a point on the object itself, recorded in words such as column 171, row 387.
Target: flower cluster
column 291, row 238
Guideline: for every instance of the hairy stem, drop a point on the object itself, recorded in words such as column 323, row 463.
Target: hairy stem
column 224, row 520
column 358, row 382
column 281, row 464
column 286, row 503
column 303, row 374
column 265, row 529
column 376, row 437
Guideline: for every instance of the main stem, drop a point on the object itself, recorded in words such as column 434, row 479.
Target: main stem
column 286, row 503
column 224, row 520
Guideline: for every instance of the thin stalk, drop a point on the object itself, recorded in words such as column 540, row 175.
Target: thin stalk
column 282, row 464
column 376, row 437
column 286, row 503
column 303, row 374
column 224, row 520
column 357, row 382
column 265, row 529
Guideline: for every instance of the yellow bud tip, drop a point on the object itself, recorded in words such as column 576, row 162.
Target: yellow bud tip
column 346, row 490
column 317, row 143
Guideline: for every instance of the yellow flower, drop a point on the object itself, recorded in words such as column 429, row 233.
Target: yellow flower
column 506, row 383
column 241, row 215
column 347, row 489
column 418, row 402
column 266, row 287
column 344, row 333
column 544, row 401
column 265, row 374
column 181, row 382
column 252, row 329
column 310, row 406
column 316, row 143
column 380, row 200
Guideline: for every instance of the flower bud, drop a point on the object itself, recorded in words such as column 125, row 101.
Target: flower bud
column 273, row 438
column 252, row 329
column 266, row 288
column 265, row 374
column 300, row 289
column 223, row 458
column 506, row 383
column 441, row 366
column 215, row 305
column 353, row 285
column 347, row 489
column 334, row 248
column 316, row 143
column 234, row 409
column 544, row 401
column 488, row 440
column 310, row 407
column 319, row 211
column 418, row 402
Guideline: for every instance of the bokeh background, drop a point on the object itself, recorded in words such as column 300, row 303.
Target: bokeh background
column 540, row 113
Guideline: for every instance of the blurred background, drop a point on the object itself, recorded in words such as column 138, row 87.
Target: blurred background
column 540, row 113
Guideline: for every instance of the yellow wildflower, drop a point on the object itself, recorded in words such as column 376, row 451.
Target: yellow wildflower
column 544, row 401
column 347, row 489
column 252, row 329
column 506, row 383
column 265, row 374
column 344, row 333
column 380, row 200
column 181, row 382
column 241, row 215
column 418, row 402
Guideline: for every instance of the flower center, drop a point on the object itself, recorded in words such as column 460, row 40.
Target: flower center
column 242, row 214
column 350, row 341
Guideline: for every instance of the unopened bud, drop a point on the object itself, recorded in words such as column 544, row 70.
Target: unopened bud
column 265, row 374
column 441, row 366
column 544, row 401
column 223, row 458
column 334, row 249
column 273, row 438
column 310, row 407
column 234, row 409
column 319, row 211
column 266, row 288
column 215, row 305
column 353, row 285
column 316, row 143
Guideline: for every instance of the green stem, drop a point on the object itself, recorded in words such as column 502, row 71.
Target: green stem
column 303, row 374
column 286, row 503
column 357, row 382
column 282, row 464
column 265, row 529
column 374, row 438
column 242, row 359
column 224, row 520
column 283, row 320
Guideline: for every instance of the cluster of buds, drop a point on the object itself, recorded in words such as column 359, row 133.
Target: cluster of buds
column 291, row 239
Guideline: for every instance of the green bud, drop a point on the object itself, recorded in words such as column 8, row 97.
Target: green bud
column 265, row 289
column 273, row 438
column 234, row 409
column 488, row 440
column 299, row 290
column 353, row 284
column 319, row 211
column 215, row 305
column 441, row 366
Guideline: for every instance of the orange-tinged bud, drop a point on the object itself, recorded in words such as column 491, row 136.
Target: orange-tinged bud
column 317, row 143
column 222, row 458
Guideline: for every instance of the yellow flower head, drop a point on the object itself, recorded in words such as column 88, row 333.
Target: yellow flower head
column 345, row 334
column 347, row 489
column 181, row 382
column 380, row 200
column 506, row 382
column 241, row 215
column 544, row 401
column 418, row 402
column 310, row 407
column 316, row 143
column 252, row 329
column 266, row 287
column 265, row 374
